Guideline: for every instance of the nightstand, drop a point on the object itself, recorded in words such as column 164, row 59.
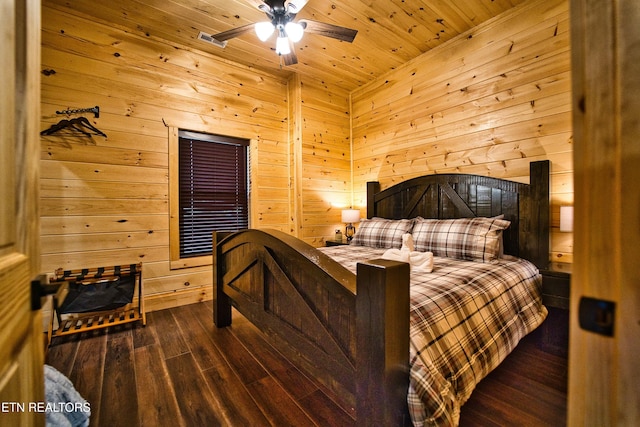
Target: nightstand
column 335, row 243
column 556, row 289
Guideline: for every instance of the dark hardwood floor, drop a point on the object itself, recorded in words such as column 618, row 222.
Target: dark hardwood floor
column 180, row 370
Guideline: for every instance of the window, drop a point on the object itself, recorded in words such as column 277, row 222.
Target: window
column 212, row 187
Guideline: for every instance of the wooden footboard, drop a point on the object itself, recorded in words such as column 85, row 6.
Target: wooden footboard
column 350, row 333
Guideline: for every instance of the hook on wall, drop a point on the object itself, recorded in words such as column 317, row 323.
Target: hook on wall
column 95, row 110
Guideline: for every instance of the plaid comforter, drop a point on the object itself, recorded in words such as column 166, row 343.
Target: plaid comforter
column 466, row 317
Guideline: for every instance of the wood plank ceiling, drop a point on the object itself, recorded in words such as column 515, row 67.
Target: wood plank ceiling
column 390, row 32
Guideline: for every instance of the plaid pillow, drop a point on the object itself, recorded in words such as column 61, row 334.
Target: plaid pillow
column 475, row 239
column 382, row 233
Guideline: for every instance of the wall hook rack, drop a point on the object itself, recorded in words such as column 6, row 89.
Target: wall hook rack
column 95, row 110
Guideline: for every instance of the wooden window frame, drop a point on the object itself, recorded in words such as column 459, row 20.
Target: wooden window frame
column 175, row 260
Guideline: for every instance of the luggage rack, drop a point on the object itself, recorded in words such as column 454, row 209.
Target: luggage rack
column 95, row 298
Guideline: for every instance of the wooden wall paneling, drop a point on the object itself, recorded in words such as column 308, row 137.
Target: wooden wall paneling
column 188, row 279
column 233, row 104
column 155, row 50
column 325, row 160
column 52, row 188
column 488, row 102
column 452, row 153
column 450, row 105
column 270, row 175
column 102, row 241
column 152, row 22
column 480, row 49
column 102, row 172
column 59, row 147
column 522, row 128
column 295, row 156
column 561, row 195
column 105, row 200
column 102, row 224
column 70, row 260
column 177, row 298
column 461, row 136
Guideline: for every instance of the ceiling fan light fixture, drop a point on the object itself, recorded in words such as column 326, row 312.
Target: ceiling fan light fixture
column 294, row 31
column 282, row 46
column 280, row 16
column 264, row 30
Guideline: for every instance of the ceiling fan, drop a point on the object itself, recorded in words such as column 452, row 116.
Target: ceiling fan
column 281, row 14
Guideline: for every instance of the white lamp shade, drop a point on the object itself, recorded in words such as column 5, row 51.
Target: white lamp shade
column 294, row 31
column 566, row 218
column 264, row 30
column 350, row 215
column 282, row 46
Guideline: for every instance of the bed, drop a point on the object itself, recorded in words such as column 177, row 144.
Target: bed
column 340, row 314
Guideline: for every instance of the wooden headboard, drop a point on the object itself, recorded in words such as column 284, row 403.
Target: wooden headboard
column 448, row 196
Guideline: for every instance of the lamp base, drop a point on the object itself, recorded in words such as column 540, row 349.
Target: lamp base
column 349, row 231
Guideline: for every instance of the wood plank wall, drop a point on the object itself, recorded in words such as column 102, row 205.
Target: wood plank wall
column 105, row 201
column 488, row 102
column 325, row 170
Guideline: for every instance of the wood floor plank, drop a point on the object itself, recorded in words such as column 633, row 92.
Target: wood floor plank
column 143, row 336
column 545, row 394
column 237, row 355
column 308, row 392
column 156, row 394
column 272, row 360
column 237, row 407
column 516, row 391
column 119, row 384
column 195, row 400
column 509, row 414
column 62, row 353
column 168, row 333
column 475, row 415
column 198, row 338
column 325, row 411
column 88, row 370
column 254, row 341
column 279, row 408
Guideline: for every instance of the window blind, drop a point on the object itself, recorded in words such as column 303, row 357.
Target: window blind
column 213, row 189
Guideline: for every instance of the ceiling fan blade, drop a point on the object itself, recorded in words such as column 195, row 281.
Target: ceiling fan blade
column 234, row 32
column 294, row 6
column 328, row 30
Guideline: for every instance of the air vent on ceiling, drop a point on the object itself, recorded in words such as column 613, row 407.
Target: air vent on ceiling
column 207, row 38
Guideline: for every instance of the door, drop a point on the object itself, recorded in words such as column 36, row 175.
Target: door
column 21, row 337
column 604, row 373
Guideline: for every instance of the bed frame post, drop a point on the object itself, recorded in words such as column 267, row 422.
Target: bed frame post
column 382, row 342
column 539, row 214
column 221, row 302
column 373, row 188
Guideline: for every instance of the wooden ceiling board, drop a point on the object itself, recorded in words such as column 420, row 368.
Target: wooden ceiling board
column 390, row 32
